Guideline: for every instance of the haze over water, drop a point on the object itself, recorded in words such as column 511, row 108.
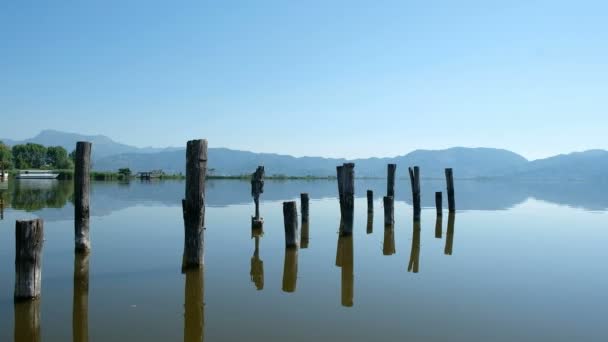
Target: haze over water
column 520, row 262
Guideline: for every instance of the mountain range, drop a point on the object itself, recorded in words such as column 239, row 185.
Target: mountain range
column 466, row 162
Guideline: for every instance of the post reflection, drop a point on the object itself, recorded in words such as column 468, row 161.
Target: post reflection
column 27, row 321
column 388, row 247
column 345, row 255
column 370, row 223
column 449, row 235
column 80, row 301
column 290, row 269
column 194, row 317
column 257, row 265
column 415, row 251
column 304, row 235
column 438, row 226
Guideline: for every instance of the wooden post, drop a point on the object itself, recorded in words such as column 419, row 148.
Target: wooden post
column 290, row 218
column 390, row 184
column 82, row 185
column 340, row 180
column 449, row 235
column 348, row 194
column 450, row 185
column 29, row 238
column 257, row 187
column 415, row 181
column 27, row 321
column 388, row 246
column 304, row 235
column 194, row 315
column 193, row 205
column 389, row 211
column 257, row 267
column 415, row 251
column 370, row 223
column 370, row 202
column 80, row 301
column 290, row 270
column 345, row 245
column 438, row 224
column 439, row 203
column 304, row 207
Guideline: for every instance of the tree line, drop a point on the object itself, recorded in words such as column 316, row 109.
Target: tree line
column 35, row 156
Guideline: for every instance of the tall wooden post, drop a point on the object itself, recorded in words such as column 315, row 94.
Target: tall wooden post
column 347, row 179
column 389, row 210
column 415, row 181
column 80, row 302
column 290, row 270
column 390, row 180
column 439, row 203
column 193, row 205
column 257, row 187
column 450, row 187
column 449, row 235
column 415, row 251
column 82, row 185
column 29, row 238
column 304, row 207
column 290, row 219
column 370, row 223
column 27, row 321
column 370, row 202
column 194, row 315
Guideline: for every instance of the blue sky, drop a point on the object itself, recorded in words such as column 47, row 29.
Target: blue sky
column 329, row 78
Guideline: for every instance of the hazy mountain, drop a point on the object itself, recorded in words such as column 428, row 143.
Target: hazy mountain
column 467, row 162
column 103, row 146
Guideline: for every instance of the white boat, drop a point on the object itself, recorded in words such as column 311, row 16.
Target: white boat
column 37, row 174
column 5, row 178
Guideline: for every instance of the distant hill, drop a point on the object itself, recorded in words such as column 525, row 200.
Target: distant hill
column 103, row 146
column 466, row 162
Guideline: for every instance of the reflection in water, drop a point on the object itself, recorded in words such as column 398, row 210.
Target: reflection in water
column 1, row 206
column 80, row 302
column 27, row 321
column 449, row 235
column 304, row 235
column 194, row 318
column 370, row 223
column 257, row 265
column 415, row 252
column 31, row 195
column 438, row 224
column 290, row 269
column 345, row 257
column 388, row 247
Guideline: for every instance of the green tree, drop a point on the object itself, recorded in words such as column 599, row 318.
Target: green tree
column 125, row 172
column 29, row 156
column 6, row 157
column 57, row 157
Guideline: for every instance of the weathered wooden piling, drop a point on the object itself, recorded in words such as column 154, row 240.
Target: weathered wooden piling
column 370, row 202
column 415, row 182
column 438, row 224
column 80, row 301
column 345, row 246
column 439, row 203
column 193, row 205
column 450, row 187
column 257, row 267
column 346, row 189
column 290, row 270
column 194, row 315
column 415, row 251
column 27, row 321
column 290, row 218
column 449, row 235
column 29, row 239
column 257, row 188
column 304, row 207
column 82, row 185
column 389, row 210
column 388, row 245
column 390, row 180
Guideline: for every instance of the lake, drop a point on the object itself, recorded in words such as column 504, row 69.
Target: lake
column 517, row 262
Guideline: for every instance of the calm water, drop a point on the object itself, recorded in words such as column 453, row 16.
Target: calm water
column 520, row 262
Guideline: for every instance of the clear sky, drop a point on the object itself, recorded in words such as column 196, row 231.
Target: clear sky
column 329, row 78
